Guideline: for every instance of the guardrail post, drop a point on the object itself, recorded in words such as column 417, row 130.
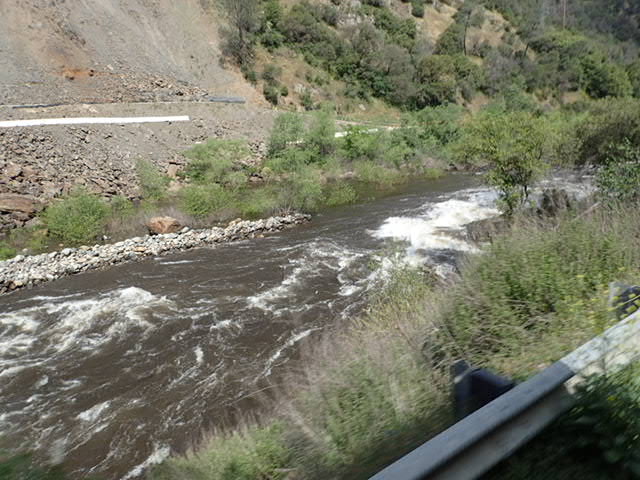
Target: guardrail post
column 473, row 388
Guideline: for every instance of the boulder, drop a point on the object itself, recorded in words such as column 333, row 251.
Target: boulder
column 553, row 201
column 162, row 225
column 10, row 202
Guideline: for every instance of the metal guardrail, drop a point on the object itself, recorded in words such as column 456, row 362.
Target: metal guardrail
column 494, row 432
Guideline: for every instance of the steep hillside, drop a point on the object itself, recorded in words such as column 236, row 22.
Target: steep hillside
column 112, row 50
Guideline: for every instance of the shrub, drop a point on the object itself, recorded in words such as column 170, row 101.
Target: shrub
column 340, row 194
column 152, row 182
column 76, row 219
column 321, row 135
column 377, row 175
column 607, row 122
column 212, row 161
column 287, row 130
column 302, row 190
column 417, row 8
column 258, row 202
column 6, row 251
column 203, row 200
column 620, row 177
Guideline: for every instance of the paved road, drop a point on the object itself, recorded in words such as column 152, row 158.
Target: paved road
column 91, row 120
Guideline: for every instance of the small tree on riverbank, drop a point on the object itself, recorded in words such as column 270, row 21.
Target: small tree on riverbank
column 514, row 147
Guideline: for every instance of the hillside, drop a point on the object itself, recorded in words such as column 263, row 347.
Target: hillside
column 112, row 50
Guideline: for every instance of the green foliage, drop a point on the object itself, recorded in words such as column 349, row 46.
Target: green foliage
column 514, row 145
column 256, row 452
column 379, row 175
column 77, row 218
column 215, row 160
column 204, row 200
column 538, row 282
column 302, row 190
column 619, row 179
column 340, row 194
column 7, row 251
column 271, row 93
column 417, row 8
column 606, row 421
column 320, row 137
column 288, row 129
column 605, row 123
column 152, row 182
column 633, row 73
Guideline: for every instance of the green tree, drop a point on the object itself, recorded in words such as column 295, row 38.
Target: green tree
column 244, row 22
column 287, row 130
column 513, row 145
column 633, row 72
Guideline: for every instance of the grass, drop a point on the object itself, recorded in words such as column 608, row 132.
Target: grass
column 374, row 390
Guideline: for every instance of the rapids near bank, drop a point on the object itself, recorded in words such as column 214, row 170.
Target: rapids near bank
column 112, row 371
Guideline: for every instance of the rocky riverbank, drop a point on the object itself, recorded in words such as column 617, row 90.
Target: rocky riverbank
column 28, row 271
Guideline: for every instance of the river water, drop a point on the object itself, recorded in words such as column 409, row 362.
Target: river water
column 112, row 371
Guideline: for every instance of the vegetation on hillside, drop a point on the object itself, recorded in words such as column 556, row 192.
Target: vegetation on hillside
column 379, row 50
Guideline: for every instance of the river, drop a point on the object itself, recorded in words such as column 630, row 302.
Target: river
column 112, row 371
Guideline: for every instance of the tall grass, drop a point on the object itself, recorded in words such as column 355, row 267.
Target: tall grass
column 368, row 394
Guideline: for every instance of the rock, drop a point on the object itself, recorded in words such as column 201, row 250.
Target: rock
column 553, row 201
column 163, row 225
column 485, row 230
column 12, row 170
column 33, row 223
column 173, row 170
column 10, row 202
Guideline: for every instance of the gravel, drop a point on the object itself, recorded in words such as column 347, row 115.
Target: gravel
column 29, row 271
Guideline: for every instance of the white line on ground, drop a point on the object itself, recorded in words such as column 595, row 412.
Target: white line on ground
column 90, row 120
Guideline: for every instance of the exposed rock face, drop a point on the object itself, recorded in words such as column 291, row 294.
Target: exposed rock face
column 163, row 225
column 27, row 271
column 19, row 203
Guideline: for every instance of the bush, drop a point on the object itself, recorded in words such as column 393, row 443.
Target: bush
column 321, row 135
column 212, row 161
column 619, row 179
column 76, row 219
column 606, row 123
column 302, row 191
column 287, row 130
column 340, row 194
column 417, row 8
column 203, row 200
column 6, row 251
column 259, row 202
column 152, row 182
column 377, row 175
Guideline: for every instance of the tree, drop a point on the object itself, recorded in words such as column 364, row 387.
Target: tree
column 243, row 17
column 514, row 146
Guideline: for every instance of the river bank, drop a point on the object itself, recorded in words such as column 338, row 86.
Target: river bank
column 28, row 271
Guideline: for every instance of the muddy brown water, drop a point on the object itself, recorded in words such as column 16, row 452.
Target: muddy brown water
column 111, row 371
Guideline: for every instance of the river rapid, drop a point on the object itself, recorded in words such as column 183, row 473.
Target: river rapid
column 109, row 372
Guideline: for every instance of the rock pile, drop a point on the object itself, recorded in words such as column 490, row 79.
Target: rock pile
column 27, row 271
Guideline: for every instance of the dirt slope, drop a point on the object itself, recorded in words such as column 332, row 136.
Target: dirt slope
column 111, row 50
